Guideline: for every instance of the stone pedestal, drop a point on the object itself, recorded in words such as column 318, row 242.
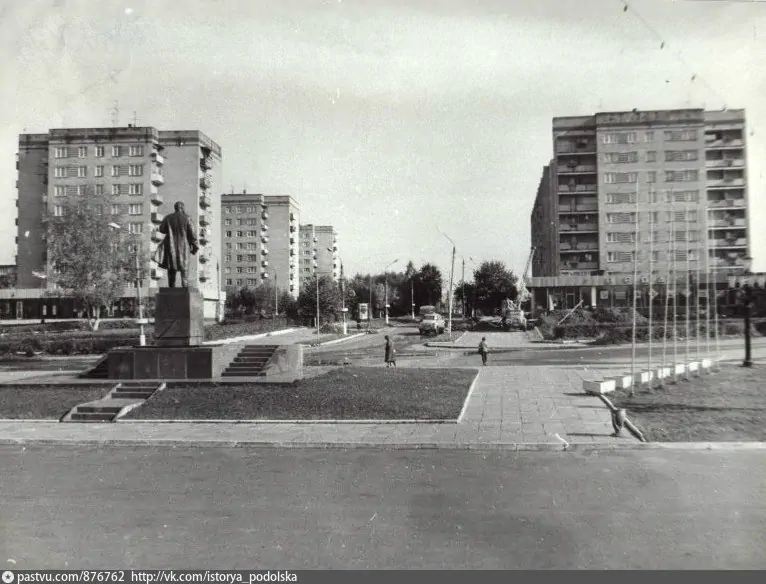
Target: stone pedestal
column 178, row 318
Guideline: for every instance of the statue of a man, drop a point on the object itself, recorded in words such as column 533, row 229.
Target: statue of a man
column 179, row 240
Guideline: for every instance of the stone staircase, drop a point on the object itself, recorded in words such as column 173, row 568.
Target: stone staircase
column 250, row 361
column 121, row 399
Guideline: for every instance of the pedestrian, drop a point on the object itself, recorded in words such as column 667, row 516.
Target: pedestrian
column 390, row 352
column 483, row 350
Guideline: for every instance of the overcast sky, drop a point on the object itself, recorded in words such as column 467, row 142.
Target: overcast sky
column 385, row 118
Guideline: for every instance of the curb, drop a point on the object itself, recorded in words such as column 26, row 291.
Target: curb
column 249, row 337
column 334, row 341
column 272, row 422
column 478, row 446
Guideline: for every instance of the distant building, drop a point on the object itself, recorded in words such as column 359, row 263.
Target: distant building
column 627, row 181
column 319, row 251
column 260, row 240
column 143, row 172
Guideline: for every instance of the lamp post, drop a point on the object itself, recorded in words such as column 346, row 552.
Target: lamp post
column 451, row 275
column 747, row 298
column 141, row 321
column 385, row 286
column 342, row 293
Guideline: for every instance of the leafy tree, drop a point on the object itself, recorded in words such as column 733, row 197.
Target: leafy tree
column 494, row 283
column 428, row 285
column 329, row 298
column 90, row 260
column 470, row 293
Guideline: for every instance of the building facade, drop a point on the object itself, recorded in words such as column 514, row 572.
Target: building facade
column 641, row 195
column 140, row 172
column 260, row 241
column 319, row 251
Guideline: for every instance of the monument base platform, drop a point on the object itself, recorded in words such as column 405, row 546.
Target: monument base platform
column 200, row 362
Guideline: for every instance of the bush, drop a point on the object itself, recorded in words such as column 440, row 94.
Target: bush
column 68, row 345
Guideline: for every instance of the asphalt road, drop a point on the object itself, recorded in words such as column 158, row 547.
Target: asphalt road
column 227, row 508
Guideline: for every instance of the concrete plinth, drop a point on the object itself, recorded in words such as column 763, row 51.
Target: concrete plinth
column 203, row 362
column 179, row 318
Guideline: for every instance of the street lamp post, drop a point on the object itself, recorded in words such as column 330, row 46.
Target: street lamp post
column 451, row 276
column 342, row 294
column 747, row 298
column 385, row 285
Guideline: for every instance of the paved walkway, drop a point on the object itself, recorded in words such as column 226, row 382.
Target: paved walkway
column 508, row 407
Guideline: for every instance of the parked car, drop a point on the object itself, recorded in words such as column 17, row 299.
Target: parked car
column 432, row 324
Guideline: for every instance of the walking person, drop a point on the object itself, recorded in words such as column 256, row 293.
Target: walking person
column 483, row 350
column 390, row 353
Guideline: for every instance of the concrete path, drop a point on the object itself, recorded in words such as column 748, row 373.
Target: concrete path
column 507, row 407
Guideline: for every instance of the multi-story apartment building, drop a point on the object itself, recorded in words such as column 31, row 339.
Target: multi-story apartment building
column 260, row 240
column 654, row 192
column 140, row 171
column 319, row 251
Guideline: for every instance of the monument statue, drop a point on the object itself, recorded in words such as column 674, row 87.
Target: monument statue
column 180, row 239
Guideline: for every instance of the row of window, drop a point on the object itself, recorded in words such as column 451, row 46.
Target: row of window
column 247, row 282
column 665, row 197
column 98, row 151
column 651, row 176
column 654, row 217
column 250, row 233
column 246, row 209
column 132, row 209
column 241, row 222
column 250, row 245
column 629, row 256
column 98, row 190
column 632, row 137
column 654, row 237
column 82, row 171
column 651, row 156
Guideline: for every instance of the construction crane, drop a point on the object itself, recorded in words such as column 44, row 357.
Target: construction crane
column 524, row 294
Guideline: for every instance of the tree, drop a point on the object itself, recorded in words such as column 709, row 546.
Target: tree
column 329, row 298
column 494, row 283
column 428, row 285
column 90, row 260
column 470, row 293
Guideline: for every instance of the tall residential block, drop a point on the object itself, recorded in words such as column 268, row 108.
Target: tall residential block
column 140, row 171
column 649, row 191
column 319, row 251
column 260, row 240
column 627, row 181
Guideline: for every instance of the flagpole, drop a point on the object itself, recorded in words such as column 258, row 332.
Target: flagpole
column 636, row 237
column 670, row 236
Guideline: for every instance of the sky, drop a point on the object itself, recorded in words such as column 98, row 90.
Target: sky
column 396, row 121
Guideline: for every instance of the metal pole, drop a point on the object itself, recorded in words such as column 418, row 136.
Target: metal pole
column 369, row 310
column 636, row 236
column 218, row 302
column 412, row 297
column 451, row 275
column 316, row 276
column 651, row 291
column 462, row 292
column 385, row 286
column 142, row 334
column 667, row 305
column 687, row 269
column 343, row 298
column 748, row 362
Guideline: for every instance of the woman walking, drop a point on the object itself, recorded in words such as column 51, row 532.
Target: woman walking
column 390, row 352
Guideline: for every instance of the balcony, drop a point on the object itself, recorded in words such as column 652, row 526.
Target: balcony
column 264, row 215
column 264, row 251
column 206, row 162
column 158, row 158
column 205, row 201
column 723, row 143
column 732, row 242
column 292, row 228
column 576, row 147
column 157, row 178
column 264, row 239
column 204, row 257
column 155, row 196
column 725, row 163
column 204, row 236
column 578, row 188
column 205, row 182
column 264, row 227
column 580, row 266
column 572, row 209
column 577, row 169
column 574, row 246
column 157, row 236
column 157, row 274
column 157, row 217
column 730, row 223
column 580, row 227
column 292, row 240
column 722, row 203
column 204, row 219
column 204, row 275
column 726, row 182
column 265, row 263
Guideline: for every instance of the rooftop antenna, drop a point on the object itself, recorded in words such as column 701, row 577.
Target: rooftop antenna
column 115, row 113
column 232, row 188
column 135, row 120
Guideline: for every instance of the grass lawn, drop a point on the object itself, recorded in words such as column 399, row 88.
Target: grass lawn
column 45, row 402
column 725, row 406
column 341, row 394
